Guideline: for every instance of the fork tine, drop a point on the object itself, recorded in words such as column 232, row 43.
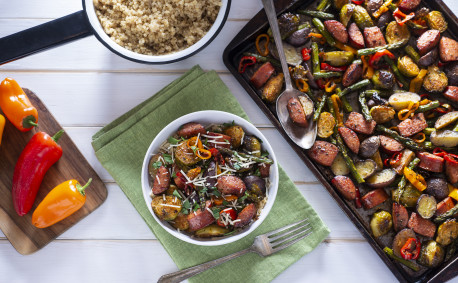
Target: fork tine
column 284, row 245
column 284, row 228
column 289, row 232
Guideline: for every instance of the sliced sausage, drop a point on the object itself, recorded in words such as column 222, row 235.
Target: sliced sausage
column 337, row 30
column 451, row 170
column 355, row 36
column 264, row 170
column 412, row 125
column 245, row 216
column 400, row 217
column 296, row 112
column 231, row 185
column 444, row 206
column 374, row 37
column 451, row 93
column 428, row 40
column 191, row 129
column 353, row 73
column 357, row 123
column 323, row 152
column 273, row 88
column 218, row 140
column 345, row 186
column 374, row 198
column 409, row 5
column 261, row 75
column 161, row 181
column 421, row 226
column 429, row 58
column 390, row 145
column 200, row 219
column 350, row 138
column 448, row 49
column 430, row 162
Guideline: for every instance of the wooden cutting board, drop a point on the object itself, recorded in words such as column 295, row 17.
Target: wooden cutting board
column 19, row 230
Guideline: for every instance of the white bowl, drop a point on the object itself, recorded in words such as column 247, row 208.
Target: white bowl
column 205, row 118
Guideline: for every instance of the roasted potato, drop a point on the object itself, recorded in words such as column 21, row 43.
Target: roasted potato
column 400, row 240
column 401, row 100
column 396, row 33
column 381, row 223
column 426, row 206
column 382, row 114
column 236, row 133
column 288, row 23
column 210, row 231
column 307, row 105
column 171, row 189
column 378, row 160
column 326, row 123
column 255, row 185
column 252, row 145
column 338, row 58
column 408, row 67
column 369, row 146
column 437, row 187
column 339, row 166
column 431, row 255
column 293, row 57
column 181, row 222
column 435, row 80
column 445, row 138
column 409, row 196
column 166, row 207
column 184, row 155
column 383, row 79
column 366, row 168
column 436, row 21
column 446, row 120
column 154, row 164
column 272, row 88
column 447, row 232
column 382, row 179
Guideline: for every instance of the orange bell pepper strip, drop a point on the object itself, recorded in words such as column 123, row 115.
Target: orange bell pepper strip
column 2, row 127
column 60, row 203
column 265, row 50
column 415, row 179
column 16, row 106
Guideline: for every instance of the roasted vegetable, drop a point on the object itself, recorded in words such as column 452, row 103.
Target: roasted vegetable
column 362, row 18
column 252, row 145
column 319, row 25
column 346, row 13
column 407, row 66
column 382, row 114
column 432, row 254
column 396, row 33
column 435, row 80
column 316, row 14
column 409, row 197
column 382, row 179
column 166, row 207
column 326, row 124
column 299, row 37
column 338, row 58
column 369, row 146
column 401, row 100
column 181, row 222
column 154, row 164
column 338, row 4
column 293, row 57
column 255, row 185
column 407, row 263
column 438, row 188
column 445, row 138
column 436, row 21
column 446, row 120
column 366, row 168
column 383, row 79
column 236, row 133
column 185, row 155
column 210, row 231
column 272, row 88
column 447, row 232
column 426, row 206
column 381, row 223
column 288, row 23
column 400, row 240
column 339, row 166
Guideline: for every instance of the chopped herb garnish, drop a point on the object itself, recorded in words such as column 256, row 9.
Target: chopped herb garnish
column 177, row 194
column 196, row 207
column 185, row 207
column 203, row 190
column 174, row 175
column 216, row 192
column 173, row 140
column 157, row 164
column 225, row 203
column 236, row 166
column 265, row 154
column 194, row 148
column 167, row 158
column 215, row 212
column 257, row 172
column 229, row 124
column 242, row 199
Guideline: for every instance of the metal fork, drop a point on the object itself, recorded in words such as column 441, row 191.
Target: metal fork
column 264, row 245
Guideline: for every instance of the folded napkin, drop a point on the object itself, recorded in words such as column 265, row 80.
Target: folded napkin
column 121, row 147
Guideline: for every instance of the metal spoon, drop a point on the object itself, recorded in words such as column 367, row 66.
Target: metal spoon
column 302, row 136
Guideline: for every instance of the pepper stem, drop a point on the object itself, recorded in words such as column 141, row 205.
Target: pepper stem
column 57, row 136
column 82, row 189
column 29, row 122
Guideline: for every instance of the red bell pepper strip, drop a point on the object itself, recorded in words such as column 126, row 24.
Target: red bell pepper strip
column 375, row 59
column 411, row 249
column 217, row 155
column 357, row 2
column 439, row 152
column 40, row 153
column 306, row 53
column 245, row 62
column 452, row 158
column 231, row 213
column 321, row 83
column 327, row 67
column 402, row 18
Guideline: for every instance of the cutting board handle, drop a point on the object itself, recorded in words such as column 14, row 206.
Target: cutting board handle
column 44, row 36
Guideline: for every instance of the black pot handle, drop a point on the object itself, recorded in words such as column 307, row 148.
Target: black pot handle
column 44, row 36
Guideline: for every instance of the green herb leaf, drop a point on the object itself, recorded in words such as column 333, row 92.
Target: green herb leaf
column 196, row 207
column 229, row 124
column 236, row 166
column 225, row 203
column 264, row 154
column 242, row 199
column 216, row 193
column 257, row 172
column 215, row 212
column 173, row 140
column 167, row 158
column 157, row 164
column 177, row 194
column 186, row 205
column 203, row 190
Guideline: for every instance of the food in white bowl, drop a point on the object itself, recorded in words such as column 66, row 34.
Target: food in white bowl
column 210, row 178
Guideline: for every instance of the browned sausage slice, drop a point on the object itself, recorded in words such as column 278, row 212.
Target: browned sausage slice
column 296, row 112
column 218, row 140
column 374, row 37
column 409, row 5
column 413, row 125
column 451, row 93
column 350, row 138
column 245, row 216
column 390, row 145
column 231, row 185
column 430, row 162
column 352, row 74
column 200, row 219
column 444, row 206
column 323, row 152
column 264, row 170
column 374, row 198
column 448, row 49
column 337, row 30
column 261, row 76
column 355, row 36
column 345, row 186
column 400, row 217
column 161, row 181
column 428, row 40
column 421, row 226
column 191, row 129
column 357, row 123
column 451, row 170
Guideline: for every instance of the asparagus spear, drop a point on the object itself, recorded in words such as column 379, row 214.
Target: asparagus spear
column 316, row 14
column 429, row 106
column 355, row 87
column 346, row 105
column 264, row 59
column 397, row 73
column 348, row 160
column 403, row 182
column 243, row 155
column 323, row 4
column 407, row 263
column 364, row 108
column 315, row 58
column 319, row 25
column 448, row 214
column 412, row 53
column 326, row 75
column 369, row 51
column 319, row 107
column 409, row 143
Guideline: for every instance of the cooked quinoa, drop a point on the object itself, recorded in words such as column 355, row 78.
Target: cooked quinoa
column 156, row 27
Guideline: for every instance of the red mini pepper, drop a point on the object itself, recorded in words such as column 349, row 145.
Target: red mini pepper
column 357, row 2
column 452, row 158
column 411, row 249
column 40, row 153
column 402, row 18
column 230, row 212
column 306, row 53
column 327, row 67
column 377, row 57
column 246, row 61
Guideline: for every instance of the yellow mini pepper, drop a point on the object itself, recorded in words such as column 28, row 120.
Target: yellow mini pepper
column 415, row 179
column 453, row 192
column 2, row 127
column 417, row 82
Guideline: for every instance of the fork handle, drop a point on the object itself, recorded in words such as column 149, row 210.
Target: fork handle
column 191, row 271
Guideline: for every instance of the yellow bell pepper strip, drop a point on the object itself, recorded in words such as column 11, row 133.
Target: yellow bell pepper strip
column 336, row 104
column 368, row 70
column 2, row 127
column 60, row 203
column 417, row 82
column 345, row 47
column 16, row 106
column 384, row 8
column 194, row 142
column 203, row 153
column 302, row 85
column 453, row 192
column 318, row 35
column 330, row 86
column 409, row 111
column 265, row 50
column 415, row 179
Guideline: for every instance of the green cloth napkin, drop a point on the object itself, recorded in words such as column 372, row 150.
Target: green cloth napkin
column 121, row 147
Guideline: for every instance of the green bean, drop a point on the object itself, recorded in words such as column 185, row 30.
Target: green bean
column 346, row 105
column 428, row 131
column 412, row 53
column 399, row 76
column 369, row 51
column 364, row 108
column 403, row 182
column 348, row 159
column 325, row 75
column 407, row 263
column 264, row 59
column 355, row 87
column 446, row 215
column 429, row 106
column 315, row 58
column 409, row 143
column 319, row 107
column 322, row 5
column 319, row 25
column 311, row 95
column 316, row 14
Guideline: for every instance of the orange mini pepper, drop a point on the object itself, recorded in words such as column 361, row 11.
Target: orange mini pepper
column 2, row 126
column 16, row 105
column 59, row 203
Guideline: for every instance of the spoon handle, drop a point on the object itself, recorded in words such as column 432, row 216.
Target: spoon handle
column 272, row 17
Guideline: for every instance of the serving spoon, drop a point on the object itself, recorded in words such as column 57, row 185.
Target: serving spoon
column 302, row 136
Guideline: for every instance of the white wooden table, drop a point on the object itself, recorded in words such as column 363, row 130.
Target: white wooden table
column 86, row 86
